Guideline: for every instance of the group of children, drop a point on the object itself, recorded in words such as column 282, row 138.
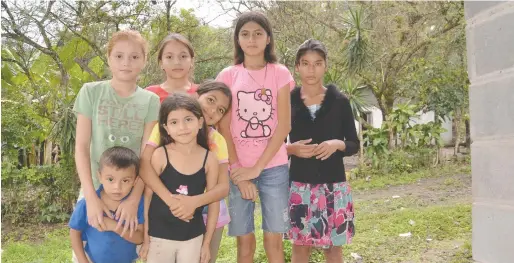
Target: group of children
column 199, row 143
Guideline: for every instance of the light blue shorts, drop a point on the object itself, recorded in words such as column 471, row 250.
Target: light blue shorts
column 273, row 187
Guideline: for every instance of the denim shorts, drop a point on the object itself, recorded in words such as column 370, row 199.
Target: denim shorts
column 273, row 187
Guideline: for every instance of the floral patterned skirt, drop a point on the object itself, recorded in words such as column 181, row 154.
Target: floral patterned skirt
column 321, row 214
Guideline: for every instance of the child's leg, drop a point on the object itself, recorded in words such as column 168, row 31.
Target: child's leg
column 334, row 255
column 241, row 224
column 246, row 248
column 189, row 251
column 273, row 186
column 215, row 243
column 162, row 250
column 74, row 257
column 300, row 254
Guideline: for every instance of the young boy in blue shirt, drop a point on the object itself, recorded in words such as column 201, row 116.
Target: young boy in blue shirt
column 118, row 172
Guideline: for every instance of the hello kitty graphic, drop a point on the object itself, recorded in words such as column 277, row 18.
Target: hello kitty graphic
column 182, row 189
column 255, row 108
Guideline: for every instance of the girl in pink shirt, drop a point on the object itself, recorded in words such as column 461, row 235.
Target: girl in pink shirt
column 255, row 131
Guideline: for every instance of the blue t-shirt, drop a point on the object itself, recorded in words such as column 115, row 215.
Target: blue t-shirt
column 105, row 246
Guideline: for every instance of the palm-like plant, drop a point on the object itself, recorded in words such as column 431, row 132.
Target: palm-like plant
column 356, row 50
column 64, row 130
column 361, row 99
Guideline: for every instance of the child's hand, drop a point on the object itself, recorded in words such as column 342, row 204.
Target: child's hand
column 184, row 207
column 302, row 149
column 327, row 148
column 244, row 174
column 127, row 214
column 95, row 213
column 248, row 190
column 205, row 254
column 143, row 251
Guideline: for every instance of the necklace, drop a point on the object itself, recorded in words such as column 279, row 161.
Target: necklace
column 263, row 90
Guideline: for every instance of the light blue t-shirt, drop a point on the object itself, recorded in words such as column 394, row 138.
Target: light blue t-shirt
column 108, row 246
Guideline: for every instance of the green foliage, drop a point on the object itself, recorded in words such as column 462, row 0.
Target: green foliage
column 428, row 135
column 357, row 95
column 64, row 130
column 440, row 85
column 399, row 121
column 22, row 124
column 376, row 143
column 356, row 51
column 42, row 194
column 421, row 143
column 408, row 160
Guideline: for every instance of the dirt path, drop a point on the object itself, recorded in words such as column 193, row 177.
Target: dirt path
column 441, row 190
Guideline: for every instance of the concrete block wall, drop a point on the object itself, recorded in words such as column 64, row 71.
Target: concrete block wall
column 490, row 49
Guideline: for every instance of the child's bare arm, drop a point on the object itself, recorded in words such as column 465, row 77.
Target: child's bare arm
column 95, row 206
column 219, row 191
column 78, row 246
column 214, row 206
column 127, row 211
column 186, row 205
column 148, row 199
column 136, row 238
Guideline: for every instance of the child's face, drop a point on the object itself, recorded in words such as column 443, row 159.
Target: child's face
column 214, row 105
column 176, row 60
column 126, row 60
column 253, row 39
column 312, row 68
column 117, row 182
column 183, row 126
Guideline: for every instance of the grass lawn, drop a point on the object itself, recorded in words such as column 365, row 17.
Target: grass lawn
column 434, row 206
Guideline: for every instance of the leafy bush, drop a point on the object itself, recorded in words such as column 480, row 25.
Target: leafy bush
column 376, row 142
column 398, row 161
column 43, row 194
column 409, row 160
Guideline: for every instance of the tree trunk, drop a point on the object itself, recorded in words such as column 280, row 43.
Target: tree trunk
column 48, row 152
column 454, row 130
column 468, row 134
column 168, row 16
column 361, row 143
column 436, row 161
column 392, row 139
column 386, row 107
column 457, row 118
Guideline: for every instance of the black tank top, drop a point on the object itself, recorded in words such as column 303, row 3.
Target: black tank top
column 161, row 222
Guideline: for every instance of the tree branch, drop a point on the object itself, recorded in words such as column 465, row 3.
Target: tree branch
column 40, row 26
column 447, row 28
column 321, row 21
column 83, row 65
column 48, row 10
column 97, row 50
column 23, row 67
column 18, row 35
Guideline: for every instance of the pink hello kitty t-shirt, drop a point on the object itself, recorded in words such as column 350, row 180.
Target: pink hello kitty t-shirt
column 254, row 110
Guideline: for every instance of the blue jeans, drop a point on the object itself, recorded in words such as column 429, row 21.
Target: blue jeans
column 273, row 187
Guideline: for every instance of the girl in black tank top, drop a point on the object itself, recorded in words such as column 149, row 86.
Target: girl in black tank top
column 186, row 167
column 162, row 223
